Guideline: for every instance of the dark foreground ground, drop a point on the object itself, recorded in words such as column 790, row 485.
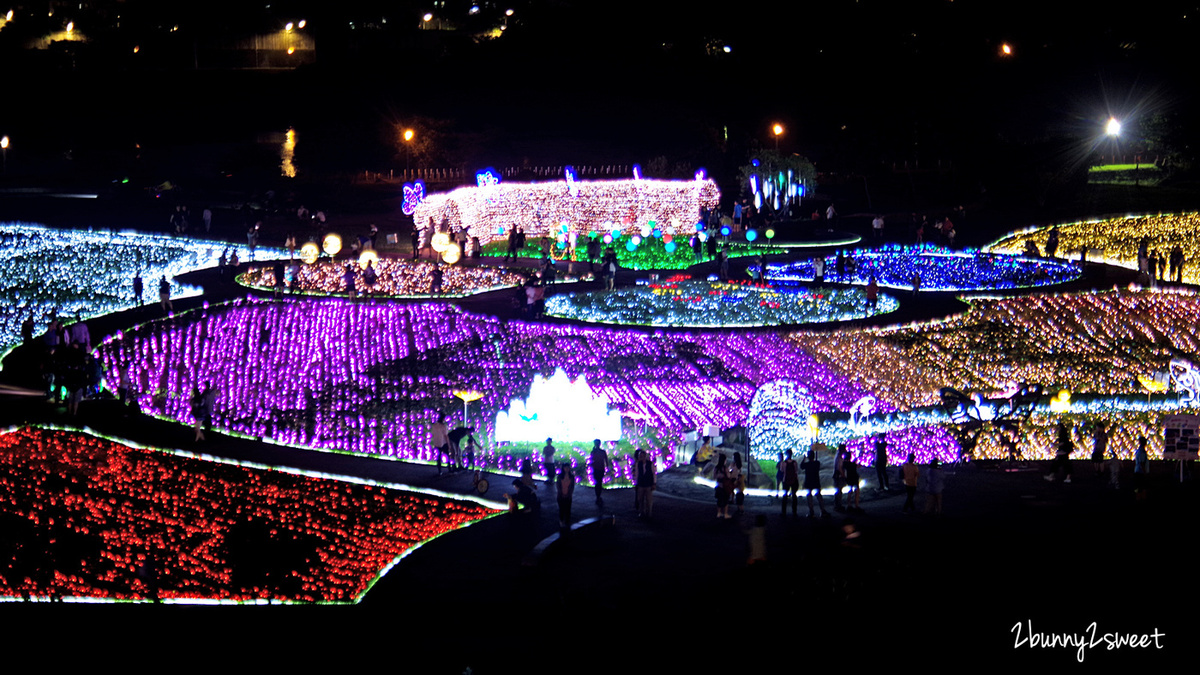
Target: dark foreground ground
column 674, row 594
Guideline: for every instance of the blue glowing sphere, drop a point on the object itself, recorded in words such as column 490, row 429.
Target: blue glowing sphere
column 670, row 246
column 725, row 230
column 751, row 235
column 630, row 246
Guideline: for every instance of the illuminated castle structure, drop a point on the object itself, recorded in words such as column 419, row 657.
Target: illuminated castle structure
column 558, row 408
column 571, row 207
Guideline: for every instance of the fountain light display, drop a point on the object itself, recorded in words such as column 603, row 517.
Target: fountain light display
column 940, row 269
column 661, row 252
column 366, row 378
column 394, row 278
column 90, row 519
column 680, row 301
column 87, row 272
column 1118, row 239
column 541, row 209
column 560, row 408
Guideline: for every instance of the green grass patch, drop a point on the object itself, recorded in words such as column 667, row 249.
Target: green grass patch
column 652, row 253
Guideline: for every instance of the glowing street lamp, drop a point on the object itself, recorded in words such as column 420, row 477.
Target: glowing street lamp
column 425, row 20
column 1006, row 49
column 408, row 136
column 777, row 130
column 467, row 396
column 4, row 149
column 1113, row 128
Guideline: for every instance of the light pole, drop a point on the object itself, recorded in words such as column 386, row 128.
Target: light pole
column 1113, row 129
column 408, row 136
column 777, row 130
column 4, row 149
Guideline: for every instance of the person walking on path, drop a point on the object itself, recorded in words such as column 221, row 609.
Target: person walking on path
column 912, row 474
column 137, row 288
column 599, row 461
column 1062, row 458
column 645, row 482
column 935, row 483
column 812, row 483
column 1141, row 470
column 564, row 491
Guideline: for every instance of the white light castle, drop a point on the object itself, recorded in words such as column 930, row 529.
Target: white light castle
column 561, row 409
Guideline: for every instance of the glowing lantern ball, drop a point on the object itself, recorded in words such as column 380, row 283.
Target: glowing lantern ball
column 630, row 246
column 332, row 244
column 669, row 246
column 637, row 240
column 368, row 256
column 608, row 239
column 645, row 230
column 440, row 242
column 452, row 254
column 667, row 238
column 770, row 234
column 309, row 252
column 656, row 232
column 725, row 231
column 751, row 235
column 616, row 233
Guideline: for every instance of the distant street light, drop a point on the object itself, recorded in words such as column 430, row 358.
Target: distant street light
column 4, row 149
column 1113, row 128
column 425, row 21
column 778, row 131
column 1006, row 49
column 408, row 136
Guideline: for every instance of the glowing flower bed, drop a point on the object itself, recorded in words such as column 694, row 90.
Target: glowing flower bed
column 1101, row 344
column 365, row 378
column 683, row 302
column 663, row 252
column 1118, row 239
column 89, row 518
column 492, row 211
column 395, row 278
column 85, row 272
column 940, row 270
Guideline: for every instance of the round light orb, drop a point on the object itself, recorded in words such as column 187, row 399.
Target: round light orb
column 669, row 246
column 368, row 256
column 656, row 232
column 332, row 244
column 644, row 230
column 770, row 233
column 451, row 254
column 630, row 246
column 608, row 239
column 751, row 235
column 441, row 241
column 636, row 240
column 310, row 252
column 667, row 238
column 725, row 231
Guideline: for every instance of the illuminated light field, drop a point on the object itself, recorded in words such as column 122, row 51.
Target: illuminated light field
column 491, row 212
column 370, row 379
column 91, row 519
column 651, row 253
column 1118, row 239
column 940, row 270
column 1096, row 343
column 87, row 273
column 687, row 303
column 395, row 278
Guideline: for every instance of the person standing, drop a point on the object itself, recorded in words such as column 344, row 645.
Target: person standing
column 812, row 483
column 819, row 270
column 645, row 482
column 853, row 501
column 722, row 479
column 564, row 491
column 548, row 461
column 207, row 216
column 137, row 286
column 877, row 227
column 164, row 295
column 881, row 462
column 439, row 438
column 872, row 293
column 27, row 328
column 791, row 483
column 1099, row 448
column 912, row 474
column 599, row 461
column 1141, row 470
column 935, row 483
